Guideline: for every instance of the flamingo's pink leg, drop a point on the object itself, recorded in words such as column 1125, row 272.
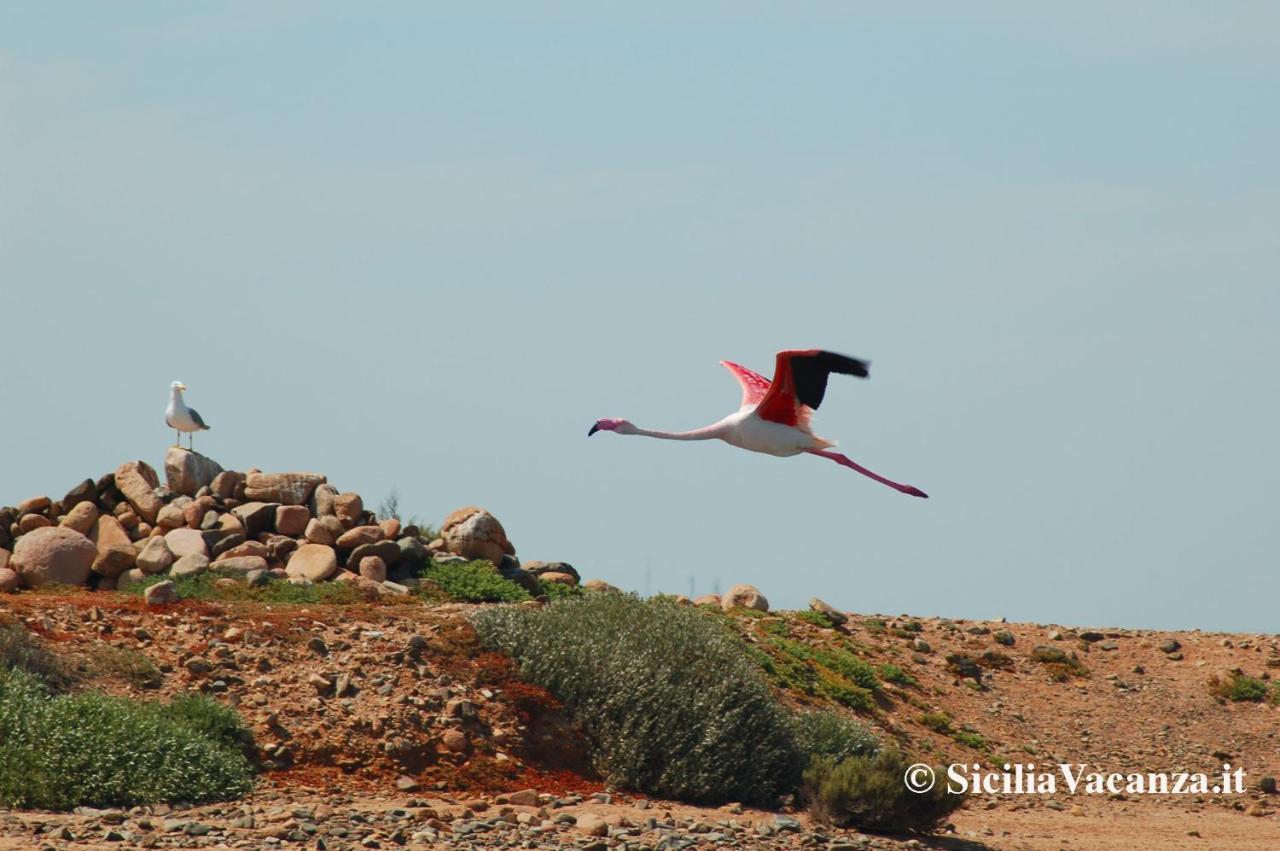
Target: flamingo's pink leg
column 846, row 462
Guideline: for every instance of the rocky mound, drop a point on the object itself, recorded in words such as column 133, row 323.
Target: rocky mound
column 126, row 526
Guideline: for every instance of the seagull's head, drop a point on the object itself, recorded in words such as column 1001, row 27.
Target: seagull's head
column 177, row 385
column 611, row 424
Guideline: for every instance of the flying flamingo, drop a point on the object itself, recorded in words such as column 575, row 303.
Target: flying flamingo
column 774, row 417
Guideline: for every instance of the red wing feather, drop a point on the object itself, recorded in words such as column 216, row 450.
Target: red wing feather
column 754, row 385
column 800, row 382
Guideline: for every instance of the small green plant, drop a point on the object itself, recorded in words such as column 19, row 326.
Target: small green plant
column 815, row 618
column 88, row 749
column 1058, row 664
column 875, row 626
column 964, row 666
column 1239, row 687
column 558, row 590
column 868, row 792
column 938, row 722
column 893, row 674
column 776, row 627
column 994, row 660
column 969, row 739
column 475, row 582
column 828, row 734
column 275, row 592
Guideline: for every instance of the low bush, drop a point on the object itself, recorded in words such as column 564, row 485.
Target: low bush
column 474, row 582
column 275, row 592
column 63, row 751
column 820, row 733
column 815, row 618
column 670, row 700
column 868, row 792
column 893, row 674
column 1060, row 666
column 1238, row 686
column 558, row 590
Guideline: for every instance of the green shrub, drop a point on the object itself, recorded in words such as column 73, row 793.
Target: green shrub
column 58, row 752
column 968, row 739
column 123, row 664
column 23, row 651
column 869, row 793
column 670, row 700
column 821, row 733
column 893, row 674
column 218, row 723
column 815, row 618
column 1239, row 687
column 475, row 582
column 938, row 722
column 558, row 590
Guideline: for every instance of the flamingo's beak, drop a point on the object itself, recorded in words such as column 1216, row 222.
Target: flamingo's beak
column 595, row 428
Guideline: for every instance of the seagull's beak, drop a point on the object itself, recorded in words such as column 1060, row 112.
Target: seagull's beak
column 594, row 428
column 182, row 387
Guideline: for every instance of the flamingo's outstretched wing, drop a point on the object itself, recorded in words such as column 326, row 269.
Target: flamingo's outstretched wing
column 800, row 382
column 754, row 385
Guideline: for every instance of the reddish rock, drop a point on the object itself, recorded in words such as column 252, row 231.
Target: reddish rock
column 193, row 513
column 241, row 564
column 316, row 533
column 171, row 517
column 454, row 740
column 116, row 552
column 558, row 578
column 248, row 548
column 53, row 554
column 9, row 580
column 390, row 528
column 225, row 484
column 374, row 568
column 600, row 585
column 160, row 594
column 348, row 507
column 292, row 520
column 353, row 538
column 31, row 522
column 81, row 517
column 138, row 482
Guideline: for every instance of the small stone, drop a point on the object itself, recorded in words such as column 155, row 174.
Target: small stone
column 161, row 593
column 34, row 505
column 1004, row 637
column 558, row 578
column 1172, row 645
column 319, row 683
column 9, row 579
column 454, row 740
column 373, row 568
column 592, row 825
column 406, row 783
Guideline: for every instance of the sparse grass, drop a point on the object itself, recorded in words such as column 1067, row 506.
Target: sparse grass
column 868, row 792
column 121, row 663
column 776, row 627
column 963, row 665
column 669, row 699
column 815, row 618
column 994, row 660
column 275, row 592
column 475, row 582
column 1239, row 687
column 88, row 749
column 969, row 739
column 875, row 626
column 893, row 674
column 24, row 651
column 938, row 722
column 1057, row 664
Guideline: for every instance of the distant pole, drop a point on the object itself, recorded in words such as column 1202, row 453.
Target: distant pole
column 715, row 586
column 691, row 592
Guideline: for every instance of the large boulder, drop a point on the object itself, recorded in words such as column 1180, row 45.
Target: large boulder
column 186, row 472
column 313, row 561
column 53, row 554
column 283, row 488
column 116, row 552
column 474, row 533
column 138, row 482
column 744, row 597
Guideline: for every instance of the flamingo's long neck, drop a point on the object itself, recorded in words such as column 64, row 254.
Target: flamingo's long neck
column 711, row 432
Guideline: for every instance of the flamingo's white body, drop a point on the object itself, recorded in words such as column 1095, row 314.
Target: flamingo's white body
column 774, row 417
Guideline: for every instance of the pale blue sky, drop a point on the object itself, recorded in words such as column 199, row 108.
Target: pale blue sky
column 426, row 247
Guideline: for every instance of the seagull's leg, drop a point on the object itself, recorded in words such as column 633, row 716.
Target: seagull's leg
column 844, row 461
column 177, row 438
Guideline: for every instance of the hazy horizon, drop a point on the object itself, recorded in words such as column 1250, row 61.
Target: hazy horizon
column 424, row 248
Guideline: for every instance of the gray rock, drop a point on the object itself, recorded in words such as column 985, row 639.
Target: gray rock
column 1172, row 645
column 832, row 614
column 413, row 555
column 1004, row 637
column 161, row 593
column 183, row 542
column 185, row 472
column 388, row 551
column 256, row 517
column 192, row 564
column 155, row 557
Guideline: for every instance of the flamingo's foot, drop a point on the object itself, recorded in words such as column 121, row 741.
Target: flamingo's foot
column 914, row 491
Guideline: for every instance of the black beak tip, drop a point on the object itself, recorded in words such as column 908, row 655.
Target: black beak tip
column 595, row 428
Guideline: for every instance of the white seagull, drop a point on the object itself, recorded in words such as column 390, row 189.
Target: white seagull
column 180, row 418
